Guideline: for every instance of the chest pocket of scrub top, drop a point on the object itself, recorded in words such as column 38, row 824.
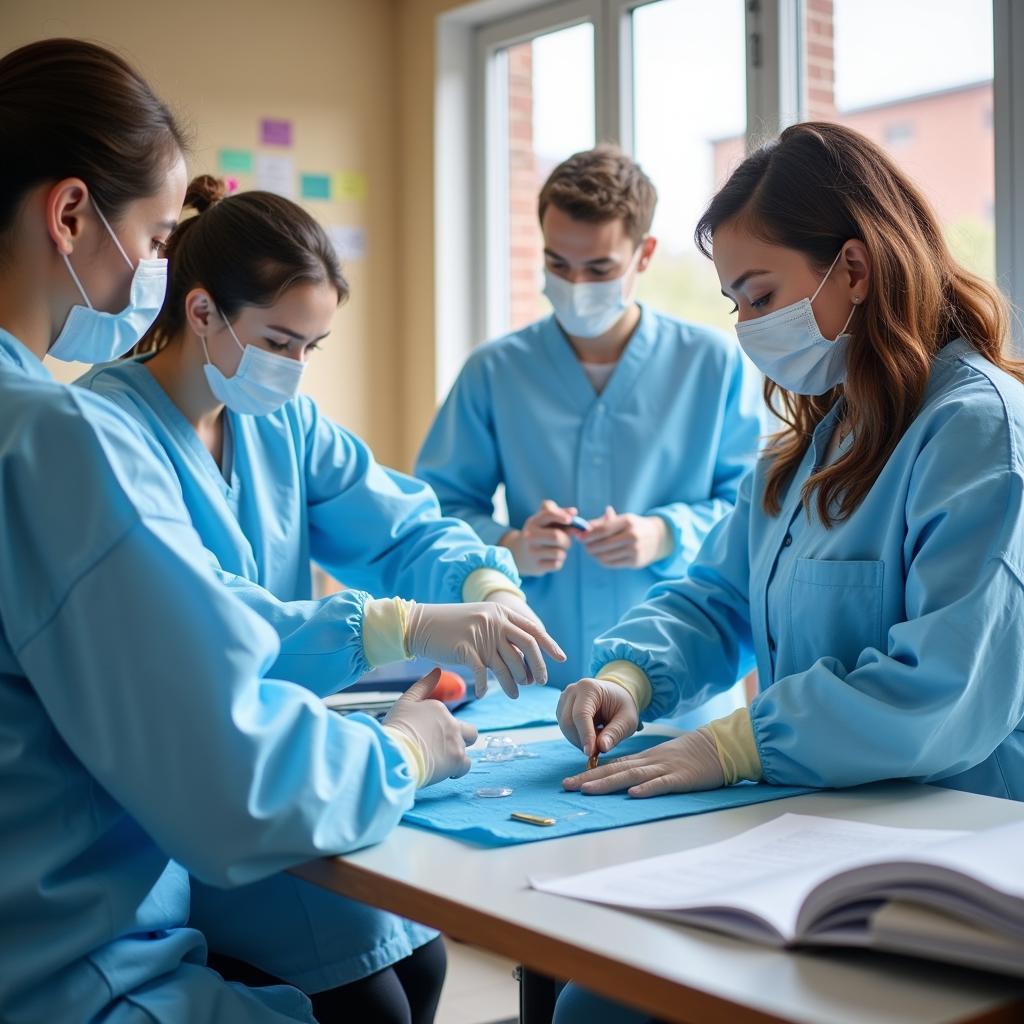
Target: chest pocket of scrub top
column 835, row 610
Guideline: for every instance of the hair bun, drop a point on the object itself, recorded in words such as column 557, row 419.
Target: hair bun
column 203, row 191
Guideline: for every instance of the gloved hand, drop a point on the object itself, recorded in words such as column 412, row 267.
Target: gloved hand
column 682, row 765
column 482, row 636
column 592, row 703
column 514, row 603
column 627, row 541
column 540, row 546
column 436, row 736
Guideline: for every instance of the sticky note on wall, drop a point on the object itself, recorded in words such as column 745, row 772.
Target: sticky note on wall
column 315, row 186
column 350, row 185
column 235, row 161
column 276, row 174
column 275, row 132
column 349, row 242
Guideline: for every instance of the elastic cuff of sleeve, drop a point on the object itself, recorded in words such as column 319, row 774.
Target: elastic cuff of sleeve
column 384, row 624
column 410, row 751
column 481, row 583
column 737, row 751
column 632, row 678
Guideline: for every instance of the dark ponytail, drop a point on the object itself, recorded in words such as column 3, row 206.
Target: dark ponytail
column 245, row 250
column 73, row 109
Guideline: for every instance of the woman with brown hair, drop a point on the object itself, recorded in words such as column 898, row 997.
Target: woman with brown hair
column 874, row 565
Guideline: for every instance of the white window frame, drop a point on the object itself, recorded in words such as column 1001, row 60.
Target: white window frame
column 471, row 129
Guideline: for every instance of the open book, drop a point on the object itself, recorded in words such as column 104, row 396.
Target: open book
column 803, row 880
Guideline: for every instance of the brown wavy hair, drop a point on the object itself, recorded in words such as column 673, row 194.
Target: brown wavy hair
column 599, row 185
column 246, row 250
column 813, row 189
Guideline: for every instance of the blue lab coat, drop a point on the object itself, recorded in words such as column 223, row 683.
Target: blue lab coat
column 140, row 737
column 299, row 487
column 892, row 644
column 672, row 434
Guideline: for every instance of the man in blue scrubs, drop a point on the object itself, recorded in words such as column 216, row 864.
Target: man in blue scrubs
column 641, row 424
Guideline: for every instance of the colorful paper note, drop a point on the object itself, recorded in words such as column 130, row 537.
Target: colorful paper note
column 315, row 186
column 349, row 242
column 276, row 174
column 235, row 161
column 275, row 132
column 350, row 185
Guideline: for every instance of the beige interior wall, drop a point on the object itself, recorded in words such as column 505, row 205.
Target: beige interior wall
column 357, row 78
column 331, row 67
column 417, row 61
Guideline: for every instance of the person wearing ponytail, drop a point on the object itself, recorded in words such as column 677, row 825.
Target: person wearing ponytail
column 271, row 484
column 143, row 744
column 873, row 568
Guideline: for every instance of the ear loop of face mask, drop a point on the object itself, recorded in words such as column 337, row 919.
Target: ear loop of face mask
column 231, row 331
column 116, row 241
column 853, row 307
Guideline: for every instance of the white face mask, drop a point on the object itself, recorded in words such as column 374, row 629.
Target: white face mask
column 588, row 309
column 262, row 383
column 788, row 347
column 92, row 336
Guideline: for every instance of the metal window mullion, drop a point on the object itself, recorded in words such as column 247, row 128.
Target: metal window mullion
column 776, row 95
column 1008, row 129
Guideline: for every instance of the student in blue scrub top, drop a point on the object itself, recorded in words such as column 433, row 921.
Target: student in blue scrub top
column 874, row 564
column 641, row 424
column 270, row 484
column 143, row 736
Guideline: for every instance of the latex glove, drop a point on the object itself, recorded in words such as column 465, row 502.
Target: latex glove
column 682, row 765
column 541, row 545
column 514, row 603
column 436, row 735
column 593, row 704
column 627, row 541
column 482, row 636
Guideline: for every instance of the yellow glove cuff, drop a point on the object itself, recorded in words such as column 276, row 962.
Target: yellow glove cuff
column 410, row 751
column 481, row 583
column 737, row 751
column 384, row 631
column 632, row 678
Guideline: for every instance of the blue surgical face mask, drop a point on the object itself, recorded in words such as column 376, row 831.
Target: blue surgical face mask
column 787, row 346
column 588, row 309
column 92, row 336
column 262, row 383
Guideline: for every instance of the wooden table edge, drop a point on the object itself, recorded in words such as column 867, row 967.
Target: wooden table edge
column 557, row 958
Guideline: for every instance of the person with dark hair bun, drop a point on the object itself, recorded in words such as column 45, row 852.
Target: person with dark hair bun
column 140, row 740
column 272, row 484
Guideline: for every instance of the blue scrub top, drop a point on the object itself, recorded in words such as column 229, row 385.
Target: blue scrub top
column 299, row 487
column 138, row 741
column 892, row 644
column 672, row 434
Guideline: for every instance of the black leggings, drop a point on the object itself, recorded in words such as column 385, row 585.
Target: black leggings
column 407, row 992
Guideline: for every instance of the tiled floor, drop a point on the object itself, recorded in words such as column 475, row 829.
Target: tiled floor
column 479, row 988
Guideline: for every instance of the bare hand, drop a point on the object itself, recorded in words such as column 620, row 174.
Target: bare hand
column 627, row 541
column 540, row 547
